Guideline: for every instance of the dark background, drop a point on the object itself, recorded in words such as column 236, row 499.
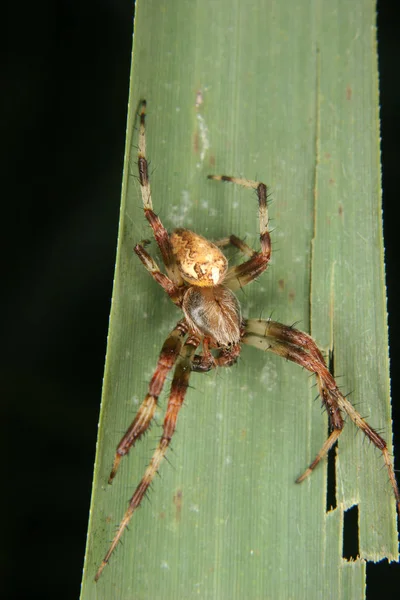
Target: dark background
column 64, row 98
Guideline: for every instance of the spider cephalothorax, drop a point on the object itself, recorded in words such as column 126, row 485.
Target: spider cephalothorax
column 201, row 283
column 211, row 309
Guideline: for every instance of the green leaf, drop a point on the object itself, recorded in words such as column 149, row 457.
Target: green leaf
column 286, row 92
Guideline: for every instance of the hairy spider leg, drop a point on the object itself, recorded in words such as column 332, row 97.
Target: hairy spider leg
column 173, row 291
column 240, row 275
column 376, row 439
column 179, row 386
column 168, row 355
column 300, row 348
column 226, row 357
column 159, row 231
column 235, row 241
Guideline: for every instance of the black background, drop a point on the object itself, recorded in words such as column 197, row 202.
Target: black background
column 64, row 98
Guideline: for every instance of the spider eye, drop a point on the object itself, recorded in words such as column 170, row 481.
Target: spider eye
column 200, row 262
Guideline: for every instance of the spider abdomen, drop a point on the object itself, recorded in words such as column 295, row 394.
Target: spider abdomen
column 214, row 312
column 200, row 262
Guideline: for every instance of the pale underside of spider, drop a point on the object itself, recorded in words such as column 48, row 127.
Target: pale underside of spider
column 200, row 282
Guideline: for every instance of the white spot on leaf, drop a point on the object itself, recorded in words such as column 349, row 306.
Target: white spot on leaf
column 269, row 376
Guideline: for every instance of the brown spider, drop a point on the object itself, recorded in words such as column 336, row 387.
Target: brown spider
column 200, row 282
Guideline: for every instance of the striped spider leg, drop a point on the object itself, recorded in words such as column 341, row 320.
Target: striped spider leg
column 173, row 351
column 294, row 345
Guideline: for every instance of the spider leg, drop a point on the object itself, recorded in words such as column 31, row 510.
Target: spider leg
column 168, row 355
column 179, row 386
column 326, row 446
column 300, row 348
column 226, row 357
column 160, row 233
column 166, row 283
column 240, row 275
column 235, row 241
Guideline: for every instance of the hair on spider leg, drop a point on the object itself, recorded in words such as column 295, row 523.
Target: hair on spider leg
column 260, row 318
column 355, row 404
column 381, row 431
column 277, row 248
column 115, row 529
column 241, row 289
column 382, row 467
column 293, row 325
column 169, row 462
column 153, row 169
column 158, row 472
column 120, row 542
column 349, row 394
column 189, row 387
column 366, row 418
column 270, row 192
column 147, row 494
column 339, row 377
column 364, row 437
column 133, row 174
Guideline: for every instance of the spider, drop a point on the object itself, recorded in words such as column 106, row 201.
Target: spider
column 200, row 282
